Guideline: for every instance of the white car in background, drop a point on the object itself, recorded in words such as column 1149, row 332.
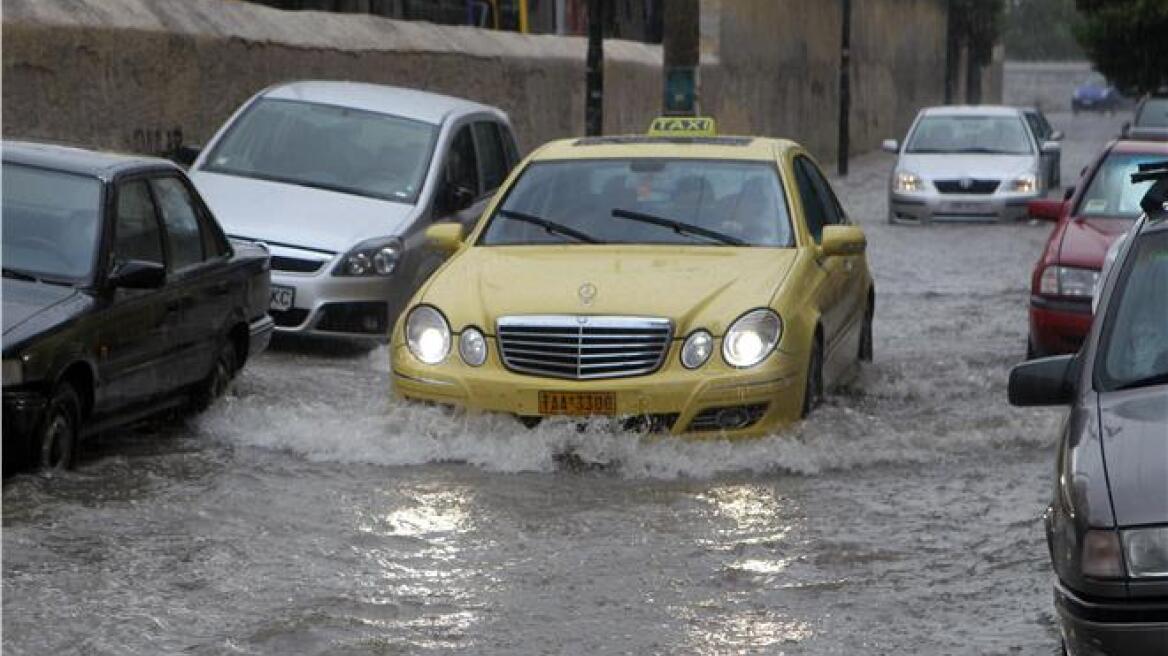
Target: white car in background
column 340, row 180
column 967, row 163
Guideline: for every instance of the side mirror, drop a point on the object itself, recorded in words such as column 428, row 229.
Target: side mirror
column 186, row 155
column 1068, row 192
column 445, row 237
column 1045, row 381
column 843, row 240
column 1051, row 147
column 890, row 146
column 1057, row 135
column 1047, row 210
column 138, row 274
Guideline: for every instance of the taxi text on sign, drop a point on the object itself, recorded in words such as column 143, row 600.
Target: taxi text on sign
column 678, row 126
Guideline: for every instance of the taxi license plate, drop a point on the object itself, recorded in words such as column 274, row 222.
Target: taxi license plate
column 577, row 404
column 281, row 298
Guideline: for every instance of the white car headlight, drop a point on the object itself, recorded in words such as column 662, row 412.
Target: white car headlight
column 427, row 334
column 472, row 346
column 903, row 181
column 1025, row 184
column 1068, row 281
column 697, row 349
column 751, row 338
column 13, row 373
column 374, row 257
column 1147, row 551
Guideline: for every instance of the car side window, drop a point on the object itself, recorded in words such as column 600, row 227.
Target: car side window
column 509, row 146
column 461, row 163
column 137, row 235
column 814, row 211
column 833, row 211
column 179, row 216
column 492, row 157
column 1035, row 126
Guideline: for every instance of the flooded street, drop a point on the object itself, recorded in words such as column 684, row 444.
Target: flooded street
column 311, row 513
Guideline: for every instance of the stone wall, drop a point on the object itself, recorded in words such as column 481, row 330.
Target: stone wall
column 142, row 75
column 1047, row 85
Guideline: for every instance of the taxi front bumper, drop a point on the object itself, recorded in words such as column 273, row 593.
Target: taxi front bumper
column 712, row 401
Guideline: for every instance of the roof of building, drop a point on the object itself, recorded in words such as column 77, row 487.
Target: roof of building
column 406, row 103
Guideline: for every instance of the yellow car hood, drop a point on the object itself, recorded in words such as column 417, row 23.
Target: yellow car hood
column 698, row 286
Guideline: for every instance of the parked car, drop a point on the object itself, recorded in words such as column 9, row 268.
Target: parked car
column 122, row 297
column 339, row 180
column 679, row 282
column 967, row 163
column 1099, row 208
column 1095, row 95
column 1107, row 524
column 1052, row 159
column 1151, row 119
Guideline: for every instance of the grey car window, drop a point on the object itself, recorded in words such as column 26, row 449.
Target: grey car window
column 492, row 158
column 136, row 232
column 183, row 234
column 51, row 221
column 461, row 163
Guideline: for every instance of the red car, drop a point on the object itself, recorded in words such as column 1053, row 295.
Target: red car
column 1098, row 209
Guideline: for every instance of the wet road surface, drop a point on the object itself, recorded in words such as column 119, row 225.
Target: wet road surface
column 310, row 513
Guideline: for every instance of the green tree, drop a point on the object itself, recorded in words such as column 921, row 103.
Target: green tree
column 1042, row 30
column 974, row 25
column 1127, row 40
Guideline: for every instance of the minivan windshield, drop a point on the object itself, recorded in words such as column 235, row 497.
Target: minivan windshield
column 995, row 135
column 51, row 223
column 1111, row 194
column 328, row 147
column 1134, row 348
column 644, row 201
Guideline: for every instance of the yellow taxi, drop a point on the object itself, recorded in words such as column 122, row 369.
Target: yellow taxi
column 678, row 281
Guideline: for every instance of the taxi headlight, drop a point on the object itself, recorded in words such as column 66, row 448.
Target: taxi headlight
column 1147, row 551
column 427, row 334
column 1068, row 281
column 373, row 257
column 751, row 338
column 1026, row 184
column 903, row 181
column 472, row 346
column 697, row 349
column 13, row 373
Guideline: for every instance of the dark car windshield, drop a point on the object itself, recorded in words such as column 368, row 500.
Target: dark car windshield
column 1134, row 347
column 50, row 223
column 1154, row 114
column 996, row 135
column 328, row 147
column 644, row 201
column 1111, row 193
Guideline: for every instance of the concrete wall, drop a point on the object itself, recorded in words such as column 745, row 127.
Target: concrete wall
column 142, row 75
column 1047, row 85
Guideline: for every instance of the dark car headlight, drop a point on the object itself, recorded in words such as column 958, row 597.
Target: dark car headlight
column 373, row 257
column 1146, row 550
column 13, row 373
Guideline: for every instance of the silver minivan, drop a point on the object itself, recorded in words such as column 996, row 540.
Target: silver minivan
column 339, row 180
column 967, row 163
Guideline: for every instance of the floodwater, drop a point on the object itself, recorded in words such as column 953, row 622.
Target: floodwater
column 311, row 513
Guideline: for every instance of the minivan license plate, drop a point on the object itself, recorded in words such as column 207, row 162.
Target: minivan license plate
column 281, row 298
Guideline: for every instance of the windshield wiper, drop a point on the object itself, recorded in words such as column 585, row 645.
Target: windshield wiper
column 678, row 226
column 24, row 275
column 989, row 151
column 551, row 226
column 1154, row 379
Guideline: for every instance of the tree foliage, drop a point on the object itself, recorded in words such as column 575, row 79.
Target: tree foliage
column 977, row 25
column 1127, row 40
column 1042, row 30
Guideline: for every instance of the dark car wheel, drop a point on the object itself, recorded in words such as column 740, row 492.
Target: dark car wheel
column 866, row 349
column 217, row 382
column 813, row 392
column 57, row 437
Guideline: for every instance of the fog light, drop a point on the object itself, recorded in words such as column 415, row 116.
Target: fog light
column 731, row 418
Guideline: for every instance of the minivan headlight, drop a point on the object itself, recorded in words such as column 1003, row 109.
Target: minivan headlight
column 903, row 181
column 427, row 334
column 751, row 338
column 373, row 257
column 1025, row 184
column 1147, row 551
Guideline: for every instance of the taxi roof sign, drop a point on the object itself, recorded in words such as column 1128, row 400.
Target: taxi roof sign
column 682, row 126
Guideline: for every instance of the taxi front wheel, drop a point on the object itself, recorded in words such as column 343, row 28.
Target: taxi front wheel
column 813, row 392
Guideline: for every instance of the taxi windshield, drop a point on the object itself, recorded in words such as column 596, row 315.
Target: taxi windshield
column 340, row 149
column 644, row 201
column 1134, row 346
column 1111, row 193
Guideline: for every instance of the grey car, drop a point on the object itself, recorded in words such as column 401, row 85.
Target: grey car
column 1107, row 525
column 968, row 163
column 340, row 180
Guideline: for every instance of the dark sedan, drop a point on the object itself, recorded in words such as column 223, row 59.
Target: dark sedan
column 122, row 298
column 1107, row 526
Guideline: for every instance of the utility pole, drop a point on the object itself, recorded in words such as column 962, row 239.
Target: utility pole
column 845, row 87
column 681, row 43
column 594, row 81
